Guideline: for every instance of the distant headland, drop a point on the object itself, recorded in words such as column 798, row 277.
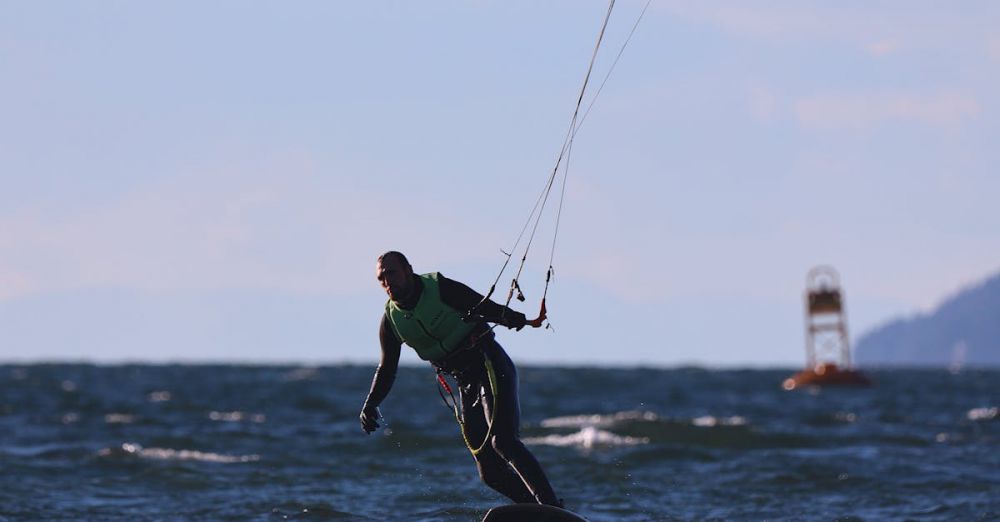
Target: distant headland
column 963, row 330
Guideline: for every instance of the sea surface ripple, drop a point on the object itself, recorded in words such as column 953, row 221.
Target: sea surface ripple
column 270, row 443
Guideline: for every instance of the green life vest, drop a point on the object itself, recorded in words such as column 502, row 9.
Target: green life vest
column 433, row 329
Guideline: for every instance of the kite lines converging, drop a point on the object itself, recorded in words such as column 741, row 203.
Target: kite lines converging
column 561, row 165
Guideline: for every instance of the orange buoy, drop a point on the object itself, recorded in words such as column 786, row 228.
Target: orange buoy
column 828, row 353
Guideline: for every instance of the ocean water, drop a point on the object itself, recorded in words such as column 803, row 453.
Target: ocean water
column 268, row 443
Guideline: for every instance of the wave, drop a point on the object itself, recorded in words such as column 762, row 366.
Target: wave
column 594, row 429
column 623, row 417
column 588, row 437
column 44, row 450
column 824, row 419
column 236, row 416
column 599, row 420
column 119, row 418
column 982, row 414
column 304, row 373
column 708, row 421
column 314, row 512
column 159, row 396
column 130, row 449
column 629, row 428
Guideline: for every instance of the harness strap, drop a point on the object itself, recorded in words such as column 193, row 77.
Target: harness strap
column 456, row 407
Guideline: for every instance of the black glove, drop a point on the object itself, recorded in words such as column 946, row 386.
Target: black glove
column 515, row 320
column 369, row 416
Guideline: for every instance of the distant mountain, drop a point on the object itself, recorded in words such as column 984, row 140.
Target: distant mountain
column 964, row 330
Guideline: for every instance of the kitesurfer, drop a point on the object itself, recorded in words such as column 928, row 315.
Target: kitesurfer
column 428, row 312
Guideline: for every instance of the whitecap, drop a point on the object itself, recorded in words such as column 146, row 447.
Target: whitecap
column 236, row 416
column 599, row 420
column 588, row 437
column 982, row 414
column 708, row 421
column 305, row 373
column 846, row 417
column 131, row 448
column 159, row 396
column 172, row 454
column 119, row 418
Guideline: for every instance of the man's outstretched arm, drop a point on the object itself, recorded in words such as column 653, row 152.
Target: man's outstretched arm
column 460, row 297
column 385, row 375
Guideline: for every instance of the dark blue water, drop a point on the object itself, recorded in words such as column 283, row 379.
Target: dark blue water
column 82, row 442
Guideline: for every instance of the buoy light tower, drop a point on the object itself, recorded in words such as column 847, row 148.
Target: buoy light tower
column 828, row 351
column 826, row 327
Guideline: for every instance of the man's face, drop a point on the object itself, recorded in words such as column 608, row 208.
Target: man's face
column 395, row 277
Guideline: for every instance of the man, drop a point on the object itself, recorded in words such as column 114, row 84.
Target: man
column 428, row 313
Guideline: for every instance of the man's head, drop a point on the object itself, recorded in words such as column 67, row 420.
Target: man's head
column 395, row 274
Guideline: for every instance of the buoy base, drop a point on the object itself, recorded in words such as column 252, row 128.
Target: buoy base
column 826, row 374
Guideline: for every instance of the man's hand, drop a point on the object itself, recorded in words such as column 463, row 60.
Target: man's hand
column 369, row 417
column 515, row 320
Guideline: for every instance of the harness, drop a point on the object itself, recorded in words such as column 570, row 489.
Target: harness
column 455, row 406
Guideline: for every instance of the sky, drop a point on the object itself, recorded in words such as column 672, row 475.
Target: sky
column 212, row 181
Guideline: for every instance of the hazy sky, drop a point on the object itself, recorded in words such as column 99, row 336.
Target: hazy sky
column 214, row 180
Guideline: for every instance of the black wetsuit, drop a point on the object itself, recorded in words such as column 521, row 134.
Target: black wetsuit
column 505, row 464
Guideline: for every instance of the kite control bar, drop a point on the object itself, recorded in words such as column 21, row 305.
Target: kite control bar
column 537, row 322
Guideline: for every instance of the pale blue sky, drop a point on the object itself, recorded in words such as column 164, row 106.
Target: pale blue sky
column 213, row 180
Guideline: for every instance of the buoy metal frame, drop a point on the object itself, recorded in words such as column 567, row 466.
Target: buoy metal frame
column 828, row 351
column 826, row 325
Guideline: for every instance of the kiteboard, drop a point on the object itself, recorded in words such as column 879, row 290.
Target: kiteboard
column 531, row 513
